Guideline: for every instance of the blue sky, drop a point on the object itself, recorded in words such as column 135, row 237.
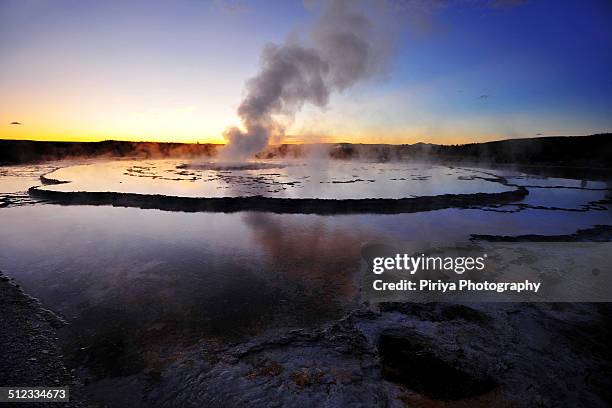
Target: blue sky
column 462, row 71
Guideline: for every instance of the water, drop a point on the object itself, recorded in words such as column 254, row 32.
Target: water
column 139, row 286
column 319, row 179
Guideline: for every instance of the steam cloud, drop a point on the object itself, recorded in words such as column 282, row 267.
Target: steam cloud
column 345, row 48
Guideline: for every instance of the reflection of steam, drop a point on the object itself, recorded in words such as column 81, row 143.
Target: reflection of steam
column 345, row 49
column 327, row 258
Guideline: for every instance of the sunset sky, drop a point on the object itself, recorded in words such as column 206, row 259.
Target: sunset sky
column 462, row 71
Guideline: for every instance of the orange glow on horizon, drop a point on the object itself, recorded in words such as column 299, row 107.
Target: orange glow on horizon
column 356, row 139
column 190, row 124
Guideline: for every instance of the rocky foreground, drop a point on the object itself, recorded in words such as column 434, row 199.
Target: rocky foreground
column 415, row 355
column 30, row 356
column 391, row 355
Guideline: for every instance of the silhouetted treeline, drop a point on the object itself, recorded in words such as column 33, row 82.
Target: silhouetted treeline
column 564, row 151
column 593, row 151
column 27, row 151
column 575, row 151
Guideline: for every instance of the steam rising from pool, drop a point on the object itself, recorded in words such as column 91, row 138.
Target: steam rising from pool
column 346, row 46
column 232, row 166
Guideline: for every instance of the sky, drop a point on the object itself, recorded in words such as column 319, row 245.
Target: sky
column 462, row 71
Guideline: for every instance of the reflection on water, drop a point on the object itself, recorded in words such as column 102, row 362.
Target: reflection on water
column 320, row 256
column 320, row 179
column 139, row 285
column 158, row 277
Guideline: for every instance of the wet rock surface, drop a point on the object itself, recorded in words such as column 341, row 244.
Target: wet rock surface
column 598, row 233
column 15, row 181
column 417, row 362
column 519, row 355
column 336, row 188
column 293, row 205
column 17, row 199
column 393, row 355
column 293, row 179
column 279, row 205
column 30, row 355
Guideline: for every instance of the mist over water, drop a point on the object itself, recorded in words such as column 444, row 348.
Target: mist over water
column 335, row 179
column 346, row 45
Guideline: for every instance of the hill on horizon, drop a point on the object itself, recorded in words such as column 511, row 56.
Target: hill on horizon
column 569, row 151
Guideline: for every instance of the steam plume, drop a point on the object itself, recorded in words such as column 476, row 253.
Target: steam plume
column 345, row 47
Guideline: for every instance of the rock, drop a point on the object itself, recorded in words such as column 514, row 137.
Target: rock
column 30, row 354
column 437, row 312
column 417, row 362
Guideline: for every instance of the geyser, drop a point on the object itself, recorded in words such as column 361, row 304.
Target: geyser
column 228, row 166
column 345, row 46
